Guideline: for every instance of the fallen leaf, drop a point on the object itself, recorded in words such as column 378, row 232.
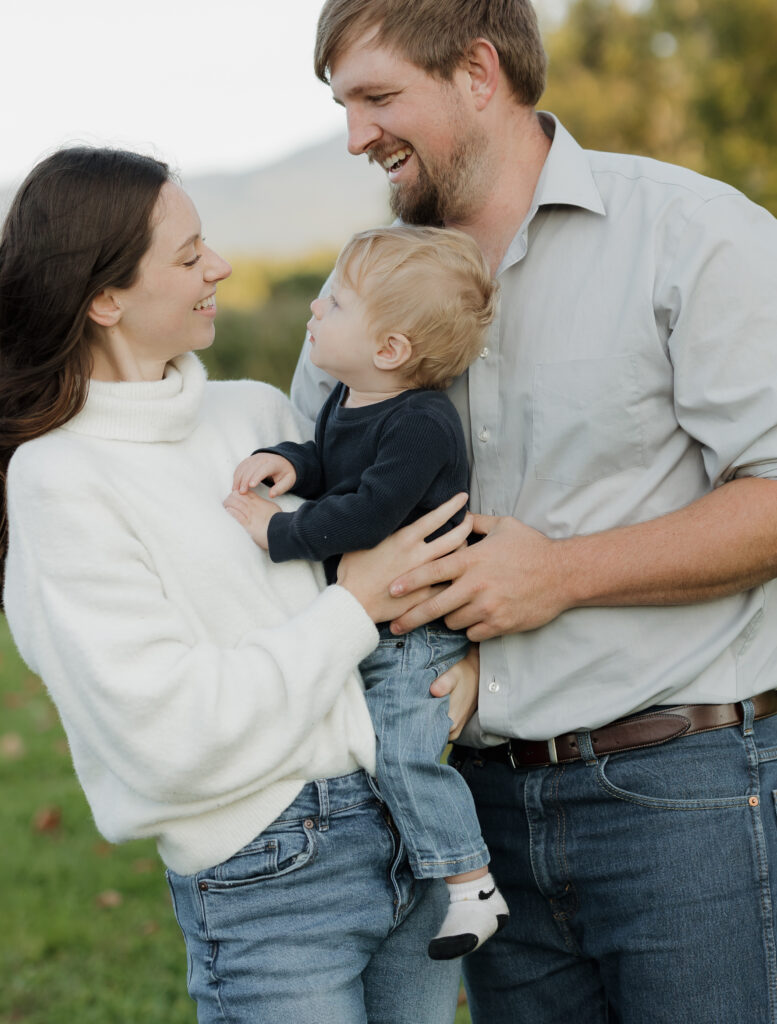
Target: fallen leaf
column 144, row 865
column 47, row 819
column 12, row 746
column 109, row 898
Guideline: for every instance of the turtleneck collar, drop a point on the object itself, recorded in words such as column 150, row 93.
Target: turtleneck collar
column 159, row 410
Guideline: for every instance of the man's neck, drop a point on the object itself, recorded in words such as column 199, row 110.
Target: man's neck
column 517, row 161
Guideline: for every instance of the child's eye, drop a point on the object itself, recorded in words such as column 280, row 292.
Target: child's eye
column 332, row 299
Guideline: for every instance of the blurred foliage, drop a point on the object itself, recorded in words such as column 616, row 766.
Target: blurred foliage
column 688, row 81
column 263, row 309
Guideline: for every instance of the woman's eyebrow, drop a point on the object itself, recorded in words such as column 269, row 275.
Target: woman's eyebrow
column 189, row 241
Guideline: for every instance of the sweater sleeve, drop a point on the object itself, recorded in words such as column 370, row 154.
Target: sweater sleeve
column 307, row 465
column 306, row 458
column 176, row 717
column 413, row 449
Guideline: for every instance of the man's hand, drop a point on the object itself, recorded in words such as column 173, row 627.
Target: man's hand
column 510, row 581
column 253, row 513
column 255, row 468
column 461, row 682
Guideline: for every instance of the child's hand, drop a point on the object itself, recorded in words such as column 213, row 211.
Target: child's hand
column 256, row 468
column 253, row 513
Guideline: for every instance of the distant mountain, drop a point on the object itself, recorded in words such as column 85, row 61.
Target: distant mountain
column 314, row 199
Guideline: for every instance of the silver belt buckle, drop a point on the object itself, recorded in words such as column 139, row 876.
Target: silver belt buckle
column 552, row 754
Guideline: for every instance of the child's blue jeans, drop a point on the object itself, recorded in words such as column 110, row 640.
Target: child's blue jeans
column 430, row 802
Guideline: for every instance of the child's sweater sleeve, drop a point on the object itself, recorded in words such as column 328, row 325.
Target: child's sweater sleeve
column 306, row 458
column 413, row 449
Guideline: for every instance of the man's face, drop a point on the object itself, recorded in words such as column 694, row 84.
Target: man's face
column 421, row 130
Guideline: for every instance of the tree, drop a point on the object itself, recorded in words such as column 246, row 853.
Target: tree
column 689, row 81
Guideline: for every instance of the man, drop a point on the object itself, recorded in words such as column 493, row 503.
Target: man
column 623, row 431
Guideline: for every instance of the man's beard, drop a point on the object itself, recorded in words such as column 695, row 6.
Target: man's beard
column 448, row 192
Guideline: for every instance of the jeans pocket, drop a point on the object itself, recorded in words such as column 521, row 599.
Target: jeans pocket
column 279, row 850
column 687, row 783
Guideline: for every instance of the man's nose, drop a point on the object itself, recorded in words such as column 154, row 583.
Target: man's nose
column 363, row 133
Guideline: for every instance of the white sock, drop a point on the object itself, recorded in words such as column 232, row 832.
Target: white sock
column 477, row 910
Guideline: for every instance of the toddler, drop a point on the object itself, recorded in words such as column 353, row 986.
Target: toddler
column 407, row 313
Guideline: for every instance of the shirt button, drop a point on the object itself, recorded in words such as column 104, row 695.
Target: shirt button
column 493, row 686
column 484, row 434
column 484, row 352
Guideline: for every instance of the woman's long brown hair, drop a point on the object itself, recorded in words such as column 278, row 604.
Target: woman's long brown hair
column 80, row 222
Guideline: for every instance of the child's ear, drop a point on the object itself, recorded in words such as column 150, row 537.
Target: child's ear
column 392, row 352
column 104, row 309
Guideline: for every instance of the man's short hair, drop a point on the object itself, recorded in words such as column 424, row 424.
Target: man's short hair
column 436, row 35
column 430, row 284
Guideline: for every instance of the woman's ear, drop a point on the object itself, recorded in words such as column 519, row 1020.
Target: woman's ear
column 104, row 309
column 393, row 352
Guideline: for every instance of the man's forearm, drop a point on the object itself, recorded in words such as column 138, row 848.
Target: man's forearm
column 517, row 579
column 721, row 544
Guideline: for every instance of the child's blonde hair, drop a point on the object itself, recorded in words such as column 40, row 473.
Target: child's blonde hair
column 430, row 284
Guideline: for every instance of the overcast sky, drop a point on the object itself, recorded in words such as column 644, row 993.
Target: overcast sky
column 206, row 86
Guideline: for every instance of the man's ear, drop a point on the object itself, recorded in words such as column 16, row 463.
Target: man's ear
column 392, row 352
column 104, row 309
column 482, row 65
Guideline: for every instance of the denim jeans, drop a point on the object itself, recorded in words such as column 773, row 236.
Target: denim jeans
column 639, row 884
column 317, row 921
column 430, row 803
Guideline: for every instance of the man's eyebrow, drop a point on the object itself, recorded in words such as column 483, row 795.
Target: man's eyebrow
column 189, row 241
column 368, row 89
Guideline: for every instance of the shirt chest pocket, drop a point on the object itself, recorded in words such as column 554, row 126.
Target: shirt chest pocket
column 586, row 420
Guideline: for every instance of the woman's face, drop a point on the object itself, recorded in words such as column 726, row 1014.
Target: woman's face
column 171, row 307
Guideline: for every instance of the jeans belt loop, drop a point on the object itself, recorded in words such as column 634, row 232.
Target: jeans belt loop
column 552, row 752
column 586, row 747
column 748, row 717
column 323, row 805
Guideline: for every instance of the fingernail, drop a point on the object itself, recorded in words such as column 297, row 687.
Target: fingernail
column 395, row 589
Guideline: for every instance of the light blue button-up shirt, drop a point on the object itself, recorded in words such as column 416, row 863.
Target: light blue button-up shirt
column 632, row 367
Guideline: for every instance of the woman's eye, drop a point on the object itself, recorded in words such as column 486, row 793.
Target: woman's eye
column 191, row 263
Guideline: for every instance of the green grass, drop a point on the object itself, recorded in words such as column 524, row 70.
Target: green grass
column 88, row 934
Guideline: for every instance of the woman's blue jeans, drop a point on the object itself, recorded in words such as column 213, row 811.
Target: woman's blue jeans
column 640, row 884
column 317, row 921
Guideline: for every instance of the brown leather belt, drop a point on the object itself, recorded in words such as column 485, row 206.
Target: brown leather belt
column 633, row 733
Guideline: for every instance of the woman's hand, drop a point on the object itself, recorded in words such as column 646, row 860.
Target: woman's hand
column 461, row 682
column 367, row 574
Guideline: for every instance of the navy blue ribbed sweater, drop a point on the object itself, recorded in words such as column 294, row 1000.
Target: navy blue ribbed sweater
column 369, row 471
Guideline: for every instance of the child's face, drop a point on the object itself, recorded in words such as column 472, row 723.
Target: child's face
column 342, row 343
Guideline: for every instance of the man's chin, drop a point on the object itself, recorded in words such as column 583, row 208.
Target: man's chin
column 414, row 206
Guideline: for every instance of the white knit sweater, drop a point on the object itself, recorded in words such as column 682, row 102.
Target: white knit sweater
column 200, row 684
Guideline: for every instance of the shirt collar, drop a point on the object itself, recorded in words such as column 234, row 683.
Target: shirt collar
column 566, row 179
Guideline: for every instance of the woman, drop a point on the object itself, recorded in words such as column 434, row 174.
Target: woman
column 209, row 696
